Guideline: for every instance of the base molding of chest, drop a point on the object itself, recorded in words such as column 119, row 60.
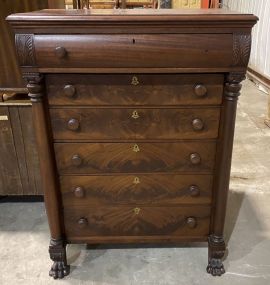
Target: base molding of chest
column 150, row 240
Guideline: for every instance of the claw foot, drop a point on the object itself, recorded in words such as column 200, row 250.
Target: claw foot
column 59, row 270
column 215, row 267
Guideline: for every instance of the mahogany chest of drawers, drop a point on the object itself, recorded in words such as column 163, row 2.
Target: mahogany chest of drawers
column 134, row 115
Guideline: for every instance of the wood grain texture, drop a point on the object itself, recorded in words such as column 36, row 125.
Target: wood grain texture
column 117, row 89
column 25, row 49
column 121, row 158
column 117, row 221
column 19, row 173
column 152, row 189
column 241, row 49
column 120, row 124
column 26, row 150
column 169, row 50
column 10, row 179
column 107, row 133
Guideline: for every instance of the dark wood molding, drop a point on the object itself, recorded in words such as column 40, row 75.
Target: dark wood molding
column 34, row 86
column 234, row 78
column 25, row 49
column 100, row 22
column 241, row 49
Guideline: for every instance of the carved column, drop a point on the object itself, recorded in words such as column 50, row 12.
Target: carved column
column 216, row 244
column 48, row 174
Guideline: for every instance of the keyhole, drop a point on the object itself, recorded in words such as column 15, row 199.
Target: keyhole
column 133, row 41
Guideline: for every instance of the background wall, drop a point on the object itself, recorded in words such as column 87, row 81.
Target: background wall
column 260, row 52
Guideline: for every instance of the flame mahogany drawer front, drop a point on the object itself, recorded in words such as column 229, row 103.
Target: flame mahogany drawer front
column 174, row 50
column 185, row 221
column 152, row 189
column 134, row 112
column 135, row 123
column 138, row 89
column 91, row 158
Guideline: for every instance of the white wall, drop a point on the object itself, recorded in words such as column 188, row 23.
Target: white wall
column 260, row 52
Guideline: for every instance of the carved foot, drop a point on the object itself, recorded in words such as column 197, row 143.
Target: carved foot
column 57, row 250
column 216, row 251
column 215, row 267
column 59, row 270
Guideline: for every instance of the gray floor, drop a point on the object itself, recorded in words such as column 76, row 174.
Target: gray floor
column 24, row 232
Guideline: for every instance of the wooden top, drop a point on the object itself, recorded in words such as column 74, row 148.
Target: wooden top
column 133, row 15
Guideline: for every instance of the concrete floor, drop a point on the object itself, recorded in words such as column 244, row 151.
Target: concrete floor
column 24, row 232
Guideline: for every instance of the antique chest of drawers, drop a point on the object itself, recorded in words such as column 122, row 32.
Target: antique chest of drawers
column 134, row 114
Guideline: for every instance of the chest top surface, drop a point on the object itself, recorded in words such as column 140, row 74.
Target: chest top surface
column 70, row 20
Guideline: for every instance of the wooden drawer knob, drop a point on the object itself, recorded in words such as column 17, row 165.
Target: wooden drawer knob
column 194, row 190
column 79, row 192
column 195, row 158
column 200, row 90
column 60, row 52
column 76, row 160
column 73, row 124
column 82, row 222
column 197, row 124
column 69, row 91
column 191, row 222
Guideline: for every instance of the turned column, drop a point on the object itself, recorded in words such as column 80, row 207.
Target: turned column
column 216, row 244
column 48, row 174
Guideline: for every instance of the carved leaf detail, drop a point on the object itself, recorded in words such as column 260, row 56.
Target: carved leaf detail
column 241, row 49
column 25, row 49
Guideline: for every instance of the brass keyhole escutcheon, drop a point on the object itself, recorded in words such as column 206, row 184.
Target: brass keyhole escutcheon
column 136, row 211
column 136, row 148
column 135, row 81
column 136, row 180
column 135, row 115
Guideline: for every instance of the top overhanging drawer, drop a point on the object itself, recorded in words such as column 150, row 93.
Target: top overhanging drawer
column 137, row 51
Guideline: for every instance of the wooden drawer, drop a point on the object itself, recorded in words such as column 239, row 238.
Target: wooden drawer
column 123, row 124
column 136, row 221
column 87, row 158
column 128, row 89
column 131, row 189
column 142, row 51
